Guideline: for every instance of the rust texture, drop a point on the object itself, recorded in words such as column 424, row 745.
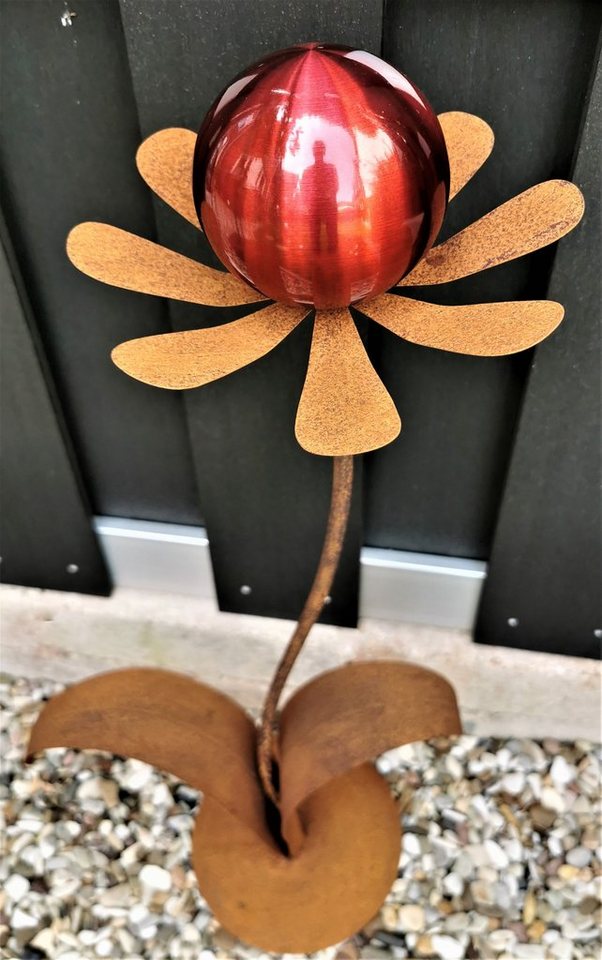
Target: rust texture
column 324, row 871
column 338, row 515
column 338, row 816
column 533, row 219
column 345, row 407
column 164, row 162
column 483, row 330
column 122, row 259
column 339, row 835
column 179, row 361
column 469, row 141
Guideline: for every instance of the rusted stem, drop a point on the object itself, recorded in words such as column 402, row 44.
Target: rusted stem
column 342, row 483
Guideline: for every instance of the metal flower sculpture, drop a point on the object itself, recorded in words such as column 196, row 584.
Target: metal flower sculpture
column 321, row 177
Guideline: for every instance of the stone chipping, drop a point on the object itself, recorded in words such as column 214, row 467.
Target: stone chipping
column 501, row 855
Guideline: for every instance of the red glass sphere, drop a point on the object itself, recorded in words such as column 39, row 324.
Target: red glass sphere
column 321, row 176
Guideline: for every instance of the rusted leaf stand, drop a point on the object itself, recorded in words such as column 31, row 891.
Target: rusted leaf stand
column 297, row 841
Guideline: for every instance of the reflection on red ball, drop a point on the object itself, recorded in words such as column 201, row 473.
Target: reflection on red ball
column 321, row 176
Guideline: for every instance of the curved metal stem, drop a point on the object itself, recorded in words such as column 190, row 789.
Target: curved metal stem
column 342, row 483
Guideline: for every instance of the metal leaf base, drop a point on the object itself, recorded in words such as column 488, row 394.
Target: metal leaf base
column 325, row 871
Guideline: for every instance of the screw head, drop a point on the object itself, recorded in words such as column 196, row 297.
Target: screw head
column 513, row 622
column 246, row 590
column 72, row 568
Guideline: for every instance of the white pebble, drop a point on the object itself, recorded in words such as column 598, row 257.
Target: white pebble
column 552, row 800
column 411, row 918
column 155, row 878
column 502, row 940
column 496, row 855
column 98, row 788
column 45, row 941
column 104, row 948
column 562, row 772
column 480, row 807
column 514, row 850
column 23, row 921
column 411, row 845
column 513, row 783
column 454, row 767
column 16, row 887
column 141, row 922
column 579, row 857
column 447, row 948
column 453, row 885
column 534, row 781
column 457, row 923
column 464, row 866
column 135, row 775
column 562, row 949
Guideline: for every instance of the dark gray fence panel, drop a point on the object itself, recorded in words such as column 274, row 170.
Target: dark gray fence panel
column 543, row 589
column 45, row 531
column 523, row 67
column 264, row 499
column 70, row 131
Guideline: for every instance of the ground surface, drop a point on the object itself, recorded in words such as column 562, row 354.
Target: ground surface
column 501, row 854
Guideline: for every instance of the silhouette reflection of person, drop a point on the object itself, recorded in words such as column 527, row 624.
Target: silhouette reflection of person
column 319, row 186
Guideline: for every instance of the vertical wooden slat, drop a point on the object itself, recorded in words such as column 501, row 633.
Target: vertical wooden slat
column 523, row 67
column 543, row 588
column 46, row 535
column 69, row 133
column 264, row 499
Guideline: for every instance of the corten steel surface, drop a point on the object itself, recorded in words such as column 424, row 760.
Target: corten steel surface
column 331, row 421
column 218, row 351
column 535, row 218
column 295, row 167
column 337, row 821
column 337, row 813
column 342, row 483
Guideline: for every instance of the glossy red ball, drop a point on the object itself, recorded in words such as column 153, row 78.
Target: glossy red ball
column 321, row 176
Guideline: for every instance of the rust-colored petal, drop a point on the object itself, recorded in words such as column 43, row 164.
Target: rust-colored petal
column 166, row 719
column 533, row 219
column 348, row 716
column 344, row 408
column 124, row 260
column 178, row 361
column 469, row 141
column 329, row 891
column 482, row 329
column 164, row 161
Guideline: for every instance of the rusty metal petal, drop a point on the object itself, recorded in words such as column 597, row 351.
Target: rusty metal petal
column 192, row 358
column 344, row 408
column 469, row 141
column 124, row 260
column 327, row 892
column 166, row 719
column 164, row 161
column 533, row 219
column 482, row 329
column 348, row 716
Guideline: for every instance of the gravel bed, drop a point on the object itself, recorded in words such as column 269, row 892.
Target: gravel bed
column 501, row 854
